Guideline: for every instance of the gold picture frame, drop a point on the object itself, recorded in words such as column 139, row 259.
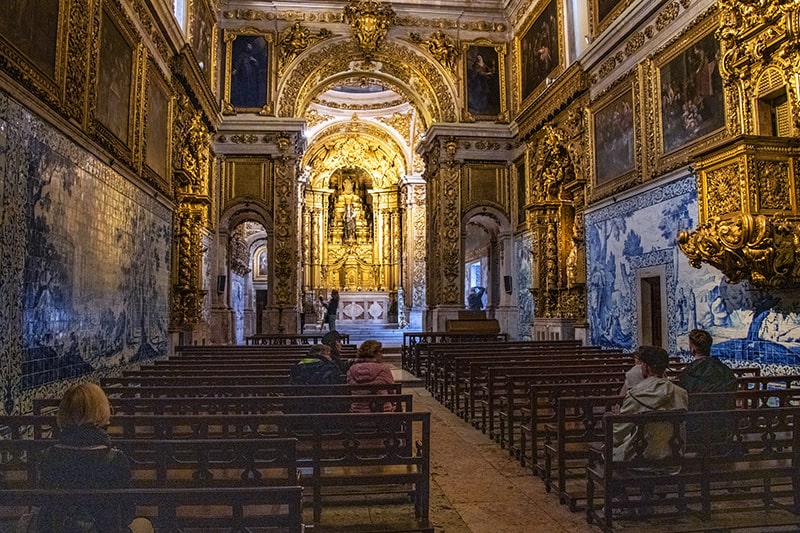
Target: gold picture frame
column 603, row 13
column 250, row 61
column 615, row 138
column 687, row 97
column 536, row 62
column 203, row 38
column 157, row 137
column 118, row 56
column 261, row 263
column 33, row 45
column 483, row 69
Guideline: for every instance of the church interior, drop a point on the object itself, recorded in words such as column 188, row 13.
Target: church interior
column 197, row 172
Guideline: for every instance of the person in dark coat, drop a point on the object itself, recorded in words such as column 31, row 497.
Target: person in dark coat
column 84, row 458
column 707, row 374
column 317, row 368
column 331, row 308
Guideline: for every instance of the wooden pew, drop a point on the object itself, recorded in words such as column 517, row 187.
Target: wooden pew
column 181, row 405
column 579, row 425
column 765, row 471
column 271, row 339
column 381, row 453
column 171, row 462
column 113, row 389
column 180, row 509
column 411, row 357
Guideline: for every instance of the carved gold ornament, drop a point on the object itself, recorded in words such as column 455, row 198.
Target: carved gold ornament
column 749, row 217
column 369, row 21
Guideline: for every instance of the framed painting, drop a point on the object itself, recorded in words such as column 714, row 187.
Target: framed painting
column 248, row 60
column 32, row 27
column 614, row 134
column 157, row 137
column 484, row 80
column 33, row 43
column 261, row 264
column 688, row 94
column 539, row 50
column 202, row 36
column 115, row 88
column 604, row 12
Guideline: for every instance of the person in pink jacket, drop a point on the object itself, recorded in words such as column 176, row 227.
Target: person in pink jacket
column 369, row 369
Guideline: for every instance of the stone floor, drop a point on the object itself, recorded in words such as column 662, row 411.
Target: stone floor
column 477, row 488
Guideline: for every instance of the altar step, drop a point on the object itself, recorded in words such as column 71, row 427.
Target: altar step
column 387, row 334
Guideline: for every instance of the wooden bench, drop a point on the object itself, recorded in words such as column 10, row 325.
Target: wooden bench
column 579, row 425
column 172, row 462
column 236, row 508
column 765, row 471
column 291, row 339
column 244, row 404
column 387, row 452
column 413, row 358
column 114, row 389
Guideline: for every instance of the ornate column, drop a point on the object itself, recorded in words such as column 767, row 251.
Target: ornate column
column 413, row 269
column 444, row 246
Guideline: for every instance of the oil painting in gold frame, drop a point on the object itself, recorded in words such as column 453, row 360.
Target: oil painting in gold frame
column 688, row 96
column 157, row 135
column 615, row 138
column 484, row 74
column 249, row 60
column 116, row 83
column 203, row 37
column 604, row 12
column 539, row 51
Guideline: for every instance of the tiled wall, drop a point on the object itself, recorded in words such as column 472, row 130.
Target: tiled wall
column 640, row 232
column 85, row 262
column 522, row 266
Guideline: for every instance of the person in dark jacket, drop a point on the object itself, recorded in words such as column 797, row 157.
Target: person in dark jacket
column 317, row 368
column 707, row 374
column 334, row 340
column 84, row 458
column 331, row 308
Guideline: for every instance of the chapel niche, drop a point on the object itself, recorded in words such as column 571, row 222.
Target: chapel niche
column 350, row 208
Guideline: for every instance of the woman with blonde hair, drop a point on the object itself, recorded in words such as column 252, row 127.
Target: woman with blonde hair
column 85, row 459
column 368, row 369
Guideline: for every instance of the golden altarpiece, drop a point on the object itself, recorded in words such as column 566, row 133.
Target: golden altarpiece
column 352, row 225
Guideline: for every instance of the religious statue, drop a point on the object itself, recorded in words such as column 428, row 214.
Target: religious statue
column 349, row 223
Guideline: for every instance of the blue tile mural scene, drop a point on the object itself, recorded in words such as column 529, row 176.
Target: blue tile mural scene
column 95, row 267
column 522, row 266
column 638, row 234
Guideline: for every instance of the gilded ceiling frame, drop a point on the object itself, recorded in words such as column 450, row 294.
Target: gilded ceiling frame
column 418, row 78
column 383, row 152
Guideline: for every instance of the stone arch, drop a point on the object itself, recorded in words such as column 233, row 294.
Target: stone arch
column 238, row 212
column 495, row 227
column 419, row 79
column 380, row 155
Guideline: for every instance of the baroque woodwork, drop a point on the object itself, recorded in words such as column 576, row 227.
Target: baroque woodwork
column 753, row 235
column 369, row 23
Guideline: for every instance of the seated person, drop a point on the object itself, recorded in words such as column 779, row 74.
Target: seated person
column 653, row 393
column 632, row 376
column 317, row 368
column 84, row 458
column 333, row 340
column 369, row 369
column 708, row 374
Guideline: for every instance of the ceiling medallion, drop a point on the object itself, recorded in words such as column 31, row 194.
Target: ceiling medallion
column 369, row 21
